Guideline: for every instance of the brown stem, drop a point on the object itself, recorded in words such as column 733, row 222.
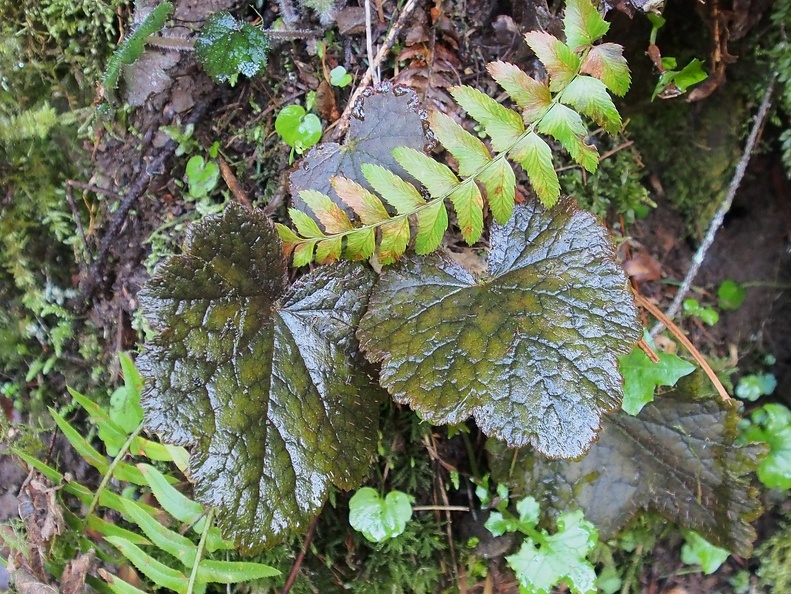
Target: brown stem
column 292, row 577
column 649, row 352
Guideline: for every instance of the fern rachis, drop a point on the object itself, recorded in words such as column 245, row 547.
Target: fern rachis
column 580, row 76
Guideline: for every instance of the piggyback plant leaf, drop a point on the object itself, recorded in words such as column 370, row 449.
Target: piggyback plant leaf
column 771, row 425
column 261, row 378
column 227, row 47
column 545, row 560
column 379, row 518
column 578, row 86
column 680, row 456
column 529, row 350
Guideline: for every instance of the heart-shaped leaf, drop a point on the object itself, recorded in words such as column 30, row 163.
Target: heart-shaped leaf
column 262, row 378
column 379, row 519
column 529, row 351
column 679, row 457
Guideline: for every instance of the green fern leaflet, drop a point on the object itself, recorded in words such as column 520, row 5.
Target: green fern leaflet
column 581, row 77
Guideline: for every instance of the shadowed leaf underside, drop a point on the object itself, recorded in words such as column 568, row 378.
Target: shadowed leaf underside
column 678, row 457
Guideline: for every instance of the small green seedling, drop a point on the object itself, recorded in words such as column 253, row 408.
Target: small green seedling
column 707, row 315
column 339, row 77
column 673, row 82
column 771, row 424
column 379, row 519
column 202, row 176
column 184, row 137
column 545, row 560
column 752, row 387
column 676, row 82
column 730, row 295
column 699, row 551
column 298, row 129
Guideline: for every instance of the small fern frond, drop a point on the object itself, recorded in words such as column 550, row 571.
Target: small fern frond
column 133, row 45
column 580, row 75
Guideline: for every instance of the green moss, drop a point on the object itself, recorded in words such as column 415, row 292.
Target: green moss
column 692, row 149
column 615, row 189
column 775, row 556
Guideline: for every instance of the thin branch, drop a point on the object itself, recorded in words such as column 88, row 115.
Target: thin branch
column 725, row 206
column 649, row 352
column 233, row 184
column 292, row 577
column 343, row 122
column 369, row 43
column 657, row 313
column 136, row 189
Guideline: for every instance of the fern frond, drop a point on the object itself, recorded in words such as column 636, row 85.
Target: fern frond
column 580, row 77
column 131, row 48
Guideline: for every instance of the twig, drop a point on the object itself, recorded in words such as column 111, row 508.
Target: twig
column 369, row 43
column 343, row 122
column 292, row 577
column 657, row 313
column 461, row 508
column 233, row 185
column 136, row 189
column 649, row 352
column 725, row 206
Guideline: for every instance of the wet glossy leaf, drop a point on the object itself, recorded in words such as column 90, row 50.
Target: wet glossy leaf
column 226, row 48
column 261, row 378
column 678, row 457
column 379, row 519
column 529, row 351
column 383, row 120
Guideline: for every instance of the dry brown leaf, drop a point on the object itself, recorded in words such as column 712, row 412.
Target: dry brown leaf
column 643, row 268
column 73, row 579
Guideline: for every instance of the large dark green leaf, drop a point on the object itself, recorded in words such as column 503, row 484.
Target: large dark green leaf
column 262, row 378
column 678, row 457
column 382, row 120
column 529, row 351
